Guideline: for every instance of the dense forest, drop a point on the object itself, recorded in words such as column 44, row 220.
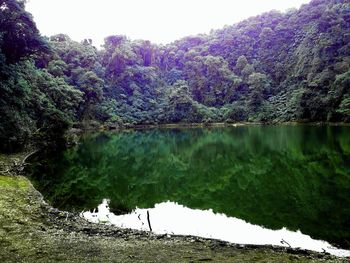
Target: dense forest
column 276, row 67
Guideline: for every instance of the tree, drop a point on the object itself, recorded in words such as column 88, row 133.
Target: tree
column 241, row 63
column 344, row 108
column 19, row 36
column 273, row 67
column 91, row 86
column 180, row 101
column 259, row 86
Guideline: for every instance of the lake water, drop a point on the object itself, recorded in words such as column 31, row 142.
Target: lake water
column 282, row 185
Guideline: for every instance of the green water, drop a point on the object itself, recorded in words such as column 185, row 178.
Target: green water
column 273, row 176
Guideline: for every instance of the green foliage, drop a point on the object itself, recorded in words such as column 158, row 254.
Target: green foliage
column 344, row 108
column 19, row 37
column 32, row 101
column 242, row 62
column 291, row 66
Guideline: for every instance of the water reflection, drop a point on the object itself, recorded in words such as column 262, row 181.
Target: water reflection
column 175, row 219
column 296, row 177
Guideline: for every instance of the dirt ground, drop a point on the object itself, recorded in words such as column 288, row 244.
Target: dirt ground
column 33, row 231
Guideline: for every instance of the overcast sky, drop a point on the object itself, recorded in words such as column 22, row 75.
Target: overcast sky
column 161, row 21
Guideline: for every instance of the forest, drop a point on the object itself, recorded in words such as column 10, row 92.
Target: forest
column 272, row 68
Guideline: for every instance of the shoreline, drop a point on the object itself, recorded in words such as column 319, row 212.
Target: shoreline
column 79, row 128
column 33, row 231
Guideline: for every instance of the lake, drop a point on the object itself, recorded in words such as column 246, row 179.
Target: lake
column 286, row 180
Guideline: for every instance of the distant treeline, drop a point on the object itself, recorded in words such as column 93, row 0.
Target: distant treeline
column 276, row 67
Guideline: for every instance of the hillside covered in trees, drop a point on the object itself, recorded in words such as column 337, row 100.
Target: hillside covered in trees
column 276, row 67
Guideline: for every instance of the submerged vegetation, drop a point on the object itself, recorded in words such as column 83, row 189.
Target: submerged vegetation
column 276, row 67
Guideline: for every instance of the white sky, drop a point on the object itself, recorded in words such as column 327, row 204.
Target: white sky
column 161, row 21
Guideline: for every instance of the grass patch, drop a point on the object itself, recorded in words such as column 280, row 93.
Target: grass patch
column 16, row 182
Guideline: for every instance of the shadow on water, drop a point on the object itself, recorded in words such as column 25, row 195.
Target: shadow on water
column 274, row 176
